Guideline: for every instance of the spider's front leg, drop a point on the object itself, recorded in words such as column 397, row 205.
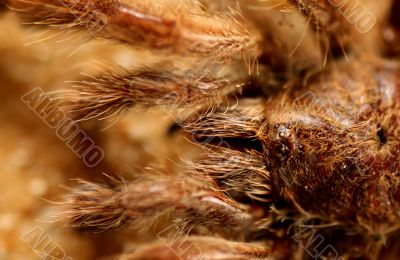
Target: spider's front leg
column 242, row 120
column 145, row 87
column 202, row 196
column 193, row 200
column 241, row 173
column 181, row 27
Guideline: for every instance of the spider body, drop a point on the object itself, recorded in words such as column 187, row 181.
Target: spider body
column 326, row 117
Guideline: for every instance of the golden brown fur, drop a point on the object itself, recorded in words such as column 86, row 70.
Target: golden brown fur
column 317, row 147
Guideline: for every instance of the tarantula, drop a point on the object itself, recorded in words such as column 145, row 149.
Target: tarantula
column 310, row 149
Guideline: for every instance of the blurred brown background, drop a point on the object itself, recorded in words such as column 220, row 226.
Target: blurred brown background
column 36, row 166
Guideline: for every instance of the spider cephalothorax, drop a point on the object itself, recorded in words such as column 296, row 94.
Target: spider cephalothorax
column 318, row 145
column 332, row 146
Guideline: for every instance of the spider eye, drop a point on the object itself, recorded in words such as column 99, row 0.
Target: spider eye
column 282, row 151
column 282, row 131
column 285, row 142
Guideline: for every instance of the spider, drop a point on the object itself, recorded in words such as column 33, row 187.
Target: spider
column 311, row 146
